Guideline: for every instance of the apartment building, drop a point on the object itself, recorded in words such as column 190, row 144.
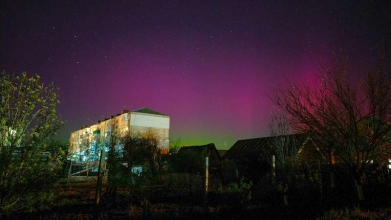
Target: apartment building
column 88, row 139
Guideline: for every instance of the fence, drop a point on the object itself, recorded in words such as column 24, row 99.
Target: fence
column 180, row 193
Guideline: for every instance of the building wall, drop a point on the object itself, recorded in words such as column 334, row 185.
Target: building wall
column 158, row 124
column 148, row 120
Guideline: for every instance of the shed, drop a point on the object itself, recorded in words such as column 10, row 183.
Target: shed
column 253, row 156
column 192, row 158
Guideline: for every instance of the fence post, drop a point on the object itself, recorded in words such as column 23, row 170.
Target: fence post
column 206, row 183
column 188, row 182
column 69, row 175
column 70, row 169
column 274, row 170
column 99, row 180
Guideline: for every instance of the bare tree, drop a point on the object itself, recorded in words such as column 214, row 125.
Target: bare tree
column 113, row 164
column 143, row 147
column 349, row 120
column 175, row 144
column 132, row 148
column 283, row 145
column 153, row 152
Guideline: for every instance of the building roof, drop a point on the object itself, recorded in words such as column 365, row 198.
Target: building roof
column 259, row 146
column 141, row 110
column 148, row 111
column 204, row 150
column 222, row 152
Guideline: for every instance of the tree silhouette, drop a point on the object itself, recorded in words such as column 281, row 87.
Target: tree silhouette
column 28, row 160
column 349, row 120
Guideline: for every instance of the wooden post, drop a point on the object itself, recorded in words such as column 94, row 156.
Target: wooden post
column 206, row 183
column 69, row 174
column 99, row 180
column 188, row 182
column 70, row 169
column 274, row 170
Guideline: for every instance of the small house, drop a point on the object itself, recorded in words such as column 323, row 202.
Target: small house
column 192, row 159
column 253, row 157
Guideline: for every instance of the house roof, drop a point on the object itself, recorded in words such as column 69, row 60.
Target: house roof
column 204, row 150
column 259, row 146
column 222, row 152
column 148, row 111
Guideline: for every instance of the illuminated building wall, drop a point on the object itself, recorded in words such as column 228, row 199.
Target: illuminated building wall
column 88, row 140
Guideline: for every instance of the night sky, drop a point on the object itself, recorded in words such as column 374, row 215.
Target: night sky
column 209, row 65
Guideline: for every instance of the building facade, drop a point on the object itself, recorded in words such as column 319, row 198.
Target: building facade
column 85, row 142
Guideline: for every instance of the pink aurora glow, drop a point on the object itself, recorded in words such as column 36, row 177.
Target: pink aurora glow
column 209, row 65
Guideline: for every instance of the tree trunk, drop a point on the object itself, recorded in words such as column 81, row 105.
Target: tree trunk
column 285, row 199
column 360, row 191
column 358, row 177
column 152, row 166
column 274, row 170
column 332, row 179
column 332, row 174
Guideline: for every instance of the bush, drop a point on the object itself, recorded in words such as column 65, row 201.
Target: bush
column 30, row 162
column 236, row 193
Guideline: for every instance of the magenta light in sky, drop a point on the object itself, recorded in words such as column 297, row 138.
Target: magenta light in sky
column 209, row 65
